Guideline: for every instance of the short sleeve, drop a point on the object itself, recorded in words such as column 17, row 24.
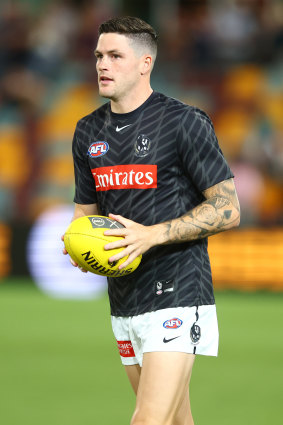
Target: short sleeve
column 85, row 192
column 199, row 151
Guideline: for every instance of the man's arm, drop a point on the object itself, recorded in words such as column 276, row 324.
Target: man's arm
column 80, row 211
column 220, row 211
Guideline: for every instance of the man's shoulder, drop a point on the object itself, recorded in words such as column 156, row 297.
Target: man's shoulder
column 189, row 113
column 93, row 119
column 171, row 101
column 179, row 106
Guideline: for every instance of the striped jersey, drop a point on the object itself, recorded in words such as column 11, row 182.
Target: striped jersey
column 152, row 165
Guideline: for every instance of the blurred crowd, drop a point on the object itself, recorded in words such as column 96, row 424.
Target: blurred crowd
column 226, row 57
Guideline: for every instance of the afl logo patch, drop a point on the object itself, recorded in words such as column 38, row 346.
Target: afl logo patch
column 97, row 149
column 142, row 146
column 174, row 323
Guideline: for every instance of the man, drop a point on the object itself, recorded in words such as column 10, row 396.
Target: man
column 155, row 163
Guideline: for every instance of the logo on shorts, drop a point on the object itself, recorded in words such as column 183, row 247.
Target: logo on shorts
column 97, row 149
column 195, row 332
column 126, row 349
column 174, row 323
column 170, row 339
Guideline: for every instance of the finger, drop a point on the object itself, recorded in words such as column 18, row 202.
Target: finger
column 120, row 219
column 114, row 245
column 115, row 232
column 62, row 238
column 124, row 253
column 128, row 261
column 65, row 252
column 82, row 269
column 73, row 263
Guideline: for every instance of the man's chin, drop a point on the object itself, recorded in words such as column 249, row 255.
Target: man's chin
column 105, row 93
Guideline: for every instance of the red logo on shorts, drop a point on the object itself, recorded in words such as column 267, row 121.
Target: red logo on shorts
column 128, row 176
column 126, row 349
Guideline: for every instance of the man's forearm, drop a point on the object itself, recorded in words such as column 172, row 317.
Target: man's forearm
column 85, row 209
column 217, row 213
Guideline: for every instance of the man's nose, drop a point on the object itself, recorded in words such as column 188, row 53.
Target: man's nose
column 103, row 63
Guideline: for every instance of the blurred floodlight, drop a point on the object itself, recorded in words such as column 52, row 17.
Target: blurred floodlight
column 50, row 269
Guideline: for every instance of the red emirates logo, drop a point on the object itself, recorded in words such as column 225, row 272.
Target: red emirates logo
column 126, row 349
column 135, row 176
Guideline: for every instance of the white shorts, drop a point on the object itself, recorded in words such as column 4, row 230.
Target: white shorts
column 183, row 329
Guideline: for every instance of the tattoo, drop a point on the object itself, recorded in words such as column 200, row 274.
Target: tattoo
column 220, row 211
column 221, row 202
column 227, row 214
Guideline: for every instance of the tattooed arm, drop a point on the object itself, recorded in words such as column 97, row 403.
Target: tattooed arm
column 220, row 211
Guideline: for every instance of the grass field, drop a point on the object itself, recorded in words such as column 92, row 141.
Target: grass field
column 59, row 364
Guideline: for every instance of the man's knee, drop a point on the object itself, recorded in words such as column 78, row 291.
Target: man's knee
column 150, row 421
column 183, row 418
column 143, row 422
column 186, row 421
column 147, row 420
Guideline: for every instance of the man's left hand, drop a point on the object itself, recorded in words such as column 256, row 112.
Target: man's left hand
column 137, row 239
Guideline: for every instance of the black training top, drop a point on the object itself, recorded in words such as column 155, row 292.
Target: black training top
column 151, row 165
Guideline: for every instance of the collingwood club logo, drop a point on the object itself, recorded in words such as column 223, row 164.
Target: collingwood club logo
column 142, row 146
column 195, row 332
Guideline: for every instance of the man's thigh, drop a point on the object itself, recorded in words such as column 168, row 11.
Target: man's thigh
column 134, row 372
column 163, row 386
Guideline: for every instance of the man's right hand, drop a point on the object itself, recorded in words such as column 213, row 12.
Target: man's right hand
column 80, row 211
column 65, row 252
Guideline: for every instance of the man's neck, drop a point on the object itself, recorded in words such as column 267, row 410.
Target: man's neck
column 130, row 103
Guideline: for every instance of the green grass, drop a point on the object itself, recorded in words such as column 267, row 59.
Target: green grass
column 59, row 364
column 244, row 385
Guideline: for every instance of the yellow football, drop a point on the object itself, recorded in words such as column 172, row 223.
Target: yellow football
column 85, row 240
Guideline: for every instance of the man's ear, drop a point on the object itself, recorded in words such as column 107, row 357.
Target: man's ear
column 146, row 64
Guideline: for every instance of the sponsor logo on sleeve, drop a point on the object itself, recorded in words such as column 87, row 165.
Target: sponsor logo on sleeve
column 127, row 176
column 97, row 149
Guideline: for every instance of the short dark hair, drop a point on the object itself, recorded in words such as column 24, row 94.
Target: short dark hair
column 134, row 28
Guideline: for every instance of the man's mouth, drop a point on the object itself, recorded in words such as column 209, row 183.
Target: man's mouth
column 105, row 79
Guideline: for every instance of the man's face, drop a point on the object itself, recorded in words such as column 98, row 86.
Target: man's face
column 118, row 67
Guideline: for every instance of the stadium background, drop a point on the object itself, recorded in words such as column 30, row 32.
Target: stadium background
column 58, row 361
